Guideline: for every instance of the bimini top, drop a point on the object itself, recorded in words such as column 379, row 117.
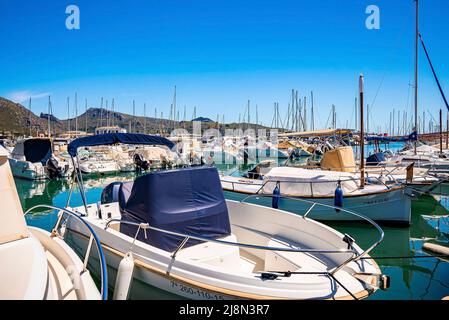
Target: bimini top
column 113, row 138
column 411, row 137
column 188, row 201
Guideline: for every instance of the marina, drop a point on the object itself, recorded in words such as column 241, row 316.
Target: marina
column 414, row 272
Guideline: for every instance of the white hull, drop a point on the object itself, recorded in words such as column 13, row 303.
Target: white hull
column 217, row 275
column 392, row 206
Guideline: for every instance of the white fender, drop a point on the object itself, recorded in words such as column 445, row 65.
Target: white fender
column 124, row 277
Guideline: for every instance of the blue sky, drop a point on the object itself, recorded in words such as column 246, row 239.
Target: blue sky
column 221, row 53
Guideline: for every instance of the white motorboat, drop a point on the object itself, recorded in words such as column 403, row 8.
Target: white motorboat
column 376, row 200
column 386, row 204
column 181, row 236
column 37, row 264
column 33, row 159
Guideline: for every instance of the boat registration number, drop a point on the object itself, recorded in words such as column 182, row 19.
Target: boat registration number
column 194, row 292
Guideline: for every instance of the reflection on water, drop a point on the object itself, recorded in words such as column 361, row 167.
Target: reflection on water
column 410, row 278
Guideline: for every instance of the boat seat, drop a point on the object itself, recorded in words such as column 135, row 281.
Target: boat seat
column 289, row 261
column 212, row 253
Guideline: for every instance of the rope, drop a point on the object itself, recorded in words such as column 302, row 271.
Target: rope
column 405, row 257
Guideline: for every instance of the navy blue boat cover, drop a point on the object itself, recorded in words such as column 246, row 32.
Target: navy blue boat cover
column 188, row 201
column 411, row 137
column 37, row 150
column 113, row 138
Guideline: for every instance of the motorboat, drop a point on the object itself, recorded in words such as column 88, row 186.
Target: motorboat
column 181, row 236
column 33, row 159
column 375, row 200
column 36, row 264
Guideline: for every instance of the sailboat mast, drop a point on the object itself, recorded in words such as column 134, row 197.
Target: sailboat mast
column 86, row 113
column 416, row 66
column 312, row 112
column 30, row 117
column 144, row 118
column 362, row 135
column 76, row 111
column 68, row 114
column 48, row 116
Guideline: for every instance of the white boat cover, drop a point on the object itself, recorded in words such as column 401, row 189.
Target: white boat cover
column 309, row 183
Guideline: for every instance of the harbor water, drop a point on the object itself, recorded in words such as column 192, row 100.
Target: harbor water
column 422, row 277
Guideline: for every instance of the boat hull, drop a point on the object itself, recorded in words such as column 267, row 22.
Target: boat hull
column 392, row 207
column 147, row 284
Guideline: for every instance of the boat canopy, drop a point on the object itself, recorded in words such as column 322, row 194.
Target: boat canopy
column 316, row 133
column 113, row 138
column 188, row 201
column 308, row 183
column 339, row 159
column 411, row 137
column 33, row 150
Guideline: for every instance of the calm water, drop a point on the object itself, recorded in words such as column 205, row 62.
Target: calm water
column 410, row 278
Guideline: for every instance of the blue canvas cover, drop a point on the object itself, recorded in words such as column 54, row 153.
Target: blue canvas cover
column 188, row 201
column 113, row 138
column 375, row 159
column 37, row 150
column 411, row 137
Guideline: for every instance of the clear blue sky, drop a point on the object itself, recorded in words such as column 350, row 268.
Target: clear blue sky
column 221, row 53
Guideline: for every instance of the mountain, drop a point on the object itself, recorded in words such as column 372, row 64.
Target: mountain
column 17, row 120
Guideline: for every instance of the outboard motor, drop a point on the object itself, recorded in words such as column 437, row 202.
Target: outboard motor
column 110, row 193
column 53, row 169
column 140, row 163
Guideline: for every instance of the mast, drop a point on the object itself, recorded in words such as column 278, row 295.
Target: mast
column 76, row 111
column 134, row 113
column 30, row 116
column 113, row 111
column 416, row 67
column 174, row 109
column 312, row 112
column 68, row 114
column 144, row 118
column 393, row 128
column 86, row 112
column 305, row 113
column 107, row 113
column 441, row 132
column 48, row 116
column 367, row 118
column 447, row 130
column 101, row 112
column 362, row 135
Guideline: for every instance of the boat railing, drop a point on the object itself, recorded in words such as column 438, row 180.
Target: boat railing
column 354, row 257
column 93, row 238
column 311, row 183
column 313, row 205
